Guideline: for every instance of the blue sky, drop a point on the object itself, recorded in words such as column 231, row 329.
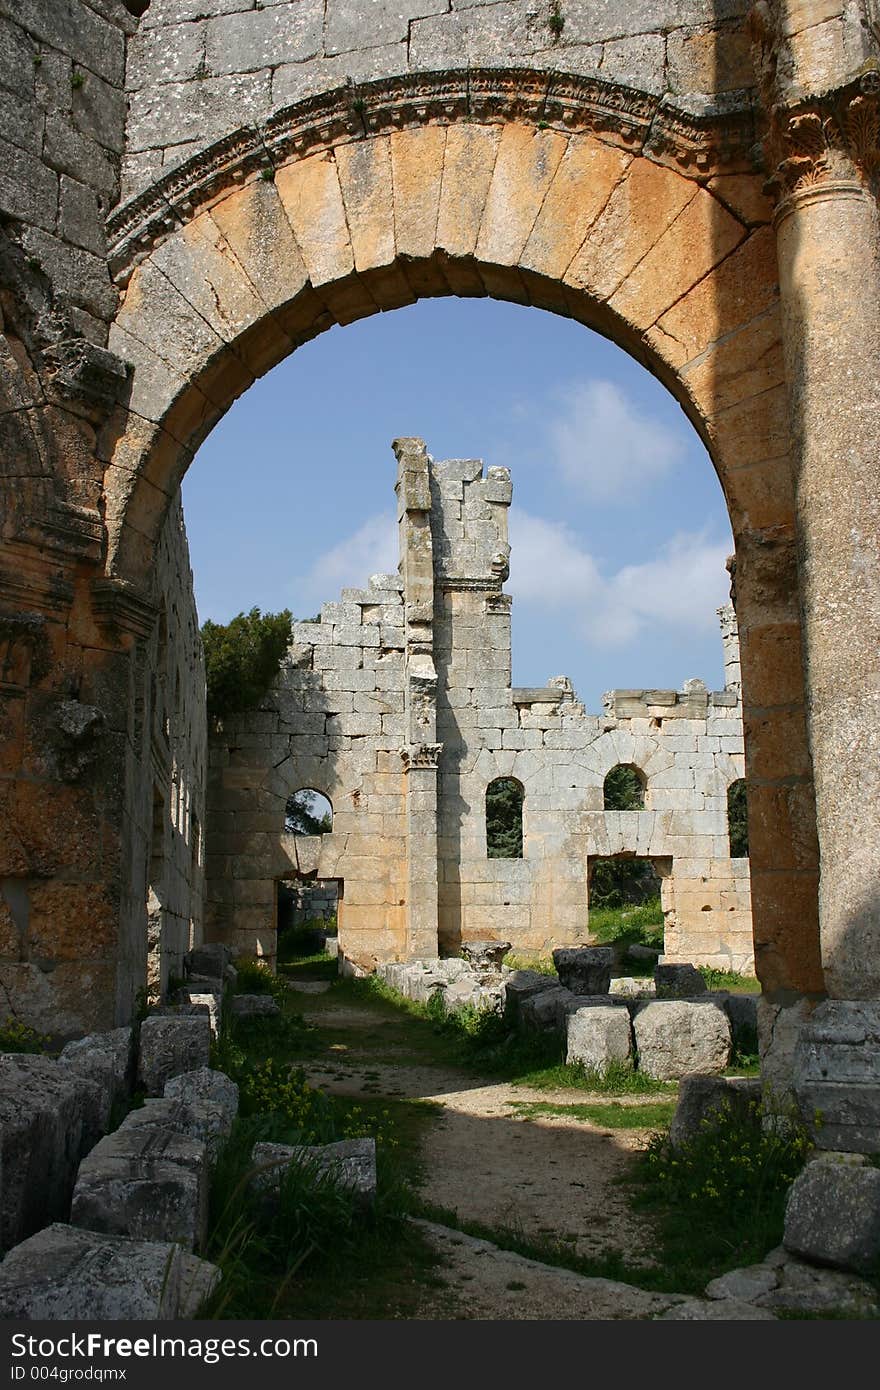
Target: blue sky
column 618, row 528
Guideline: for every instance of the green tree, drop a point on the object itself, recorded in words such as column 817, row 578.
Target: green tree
column 303, row 815
column 504, row 837
column 243, row 657
column 623, row 790
column 738, row 820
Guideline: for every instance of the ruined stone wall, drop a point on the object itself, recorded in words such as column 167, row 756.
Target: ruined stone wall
column 198, row 72
column 333, row 722
column 338, row 720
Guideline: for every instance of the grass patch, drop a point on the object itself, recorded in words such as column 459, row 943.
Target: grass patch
column 612, row 1115
column 729, row 980
column 527, row 960
column 718, row 1200
column 641, row 925
column 313, row 1252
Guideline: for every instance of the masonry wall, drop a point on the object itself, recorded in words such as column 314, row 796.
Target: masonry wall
column 339, row 720
column 197, row 72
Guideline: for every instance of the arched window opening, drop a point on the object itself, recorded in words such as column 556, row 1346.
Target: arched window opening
column 504, row 813
column 738, row 820
column 624, row 789
column 308, row 812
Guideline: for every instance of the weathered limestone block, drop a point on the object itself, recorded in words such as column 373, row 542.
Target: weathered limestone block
column 597, row 1034
column 206, row 1120
column 742, row 1010
column 169, row 1046
column 519, row 986
column 721, row 1310
column 701, row 1098
column 150, row 1184
column 254, row 1006
column 351, row 1163
column 104, row 1057
column 836, row 1075
column 64, row 1273
column 542, row 1011
column 833, row 1216
column 678, row 981
column 198, row 1280
column 679, row 1037
column 485, row 955
column 50, row 1116
column 585, row 970
column 211, row 960
column 199, row 997
column 632, row 987
column 204, row 1084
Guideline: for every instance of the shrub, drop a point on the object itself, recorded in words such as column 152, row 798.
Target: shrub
column 731, row 1179
column 18, row 1037
column 256, row 977
column 243, row 657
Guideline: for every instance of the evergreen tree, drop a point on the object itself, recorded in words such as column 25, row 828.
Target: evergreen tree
column 243, row 657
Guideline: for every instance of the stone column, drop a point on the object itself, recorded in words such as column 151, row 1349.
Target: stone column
column 421, row 753
column 829, row 262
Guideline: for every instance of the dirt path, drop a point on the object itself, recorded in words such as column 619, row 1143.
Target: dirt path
column 549, row 1178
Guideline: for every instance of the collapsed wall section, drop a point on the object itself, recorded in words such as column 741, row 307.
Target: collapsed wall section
column 397, row 705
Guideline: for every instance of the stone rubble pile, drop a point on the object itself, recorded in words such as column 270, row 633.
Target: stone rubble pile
column 668, row 1027
column 136, row 1200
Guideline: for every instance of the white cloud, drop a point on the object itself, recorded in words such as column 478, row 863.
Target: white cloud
column 607, row 447
column 679, row 588
column 372, row 549
column 548, row 564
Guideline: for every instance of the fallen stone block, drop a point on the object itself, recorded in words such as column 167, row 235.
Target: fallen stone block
column 205, row 1084
column 584, row 970
column 742, row 1010
column 837, row 1075
column 351, row 1163
column 422, row 985
column 255, row 1006
column 702, row 1098
column 678, row 981
column 679, row 1037
column 462, row 994
column 632, row 987
column 598, row 1034
column 485, row 955
column 832, row 1216
column 105, row 1057
column 149, row 1184
column 804, row 1288
column 642, row 953
column 65, row 1273
column 331, row 947
column 212, row 1000
column 542, row 1012
column 211, row 959
column 198, row 1280
column 716, row 1310
column 50, row 1117
column 520, row 985
column 200, row 1119
column 169, row 1046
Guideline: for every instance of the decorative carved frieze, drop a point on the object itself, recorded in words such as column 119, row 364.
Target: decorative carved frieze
column 694, row 142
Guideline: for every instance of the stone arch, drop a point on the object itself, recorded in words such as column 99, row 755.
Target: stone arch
column 637, row 779
column 504, row 836
column 670, row 256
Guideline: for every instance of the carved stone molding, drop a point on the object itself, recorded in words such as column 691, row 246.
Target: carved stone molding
column 694, row 142
column 421, row 755
column 829, row 140
column 118, row 604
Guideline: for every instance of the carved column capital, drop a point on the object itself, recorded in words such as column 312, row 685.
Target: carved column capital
column 833, row 140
